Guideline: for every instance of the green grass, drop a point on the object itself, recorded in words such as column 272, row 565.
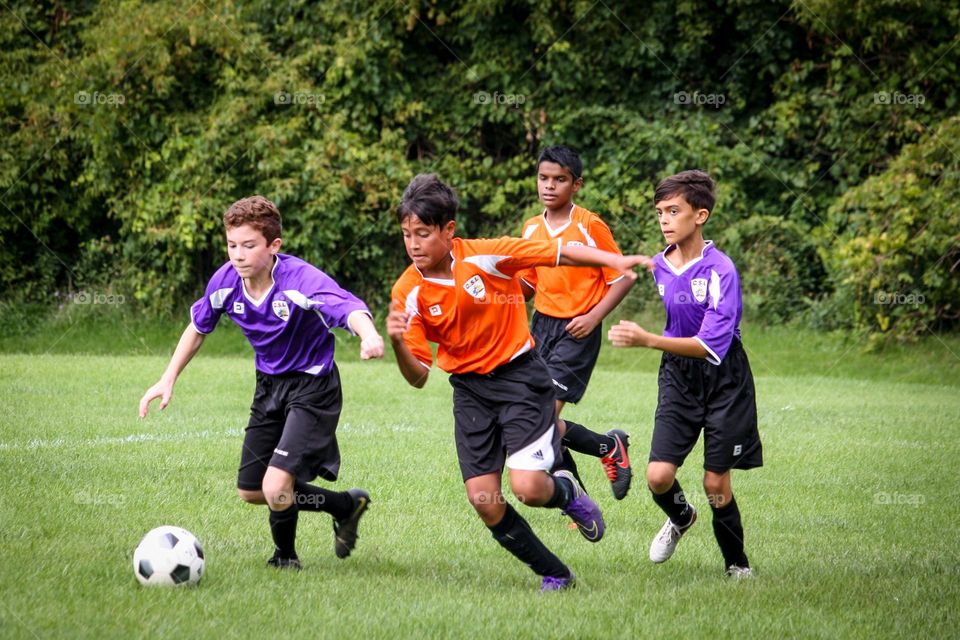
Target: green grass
column 850, row 525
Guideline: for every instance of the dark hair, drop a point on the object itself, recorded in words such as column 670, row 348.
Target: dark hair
column 430, row 199
column 564, row 156
column 256, row 211
column 694, row 185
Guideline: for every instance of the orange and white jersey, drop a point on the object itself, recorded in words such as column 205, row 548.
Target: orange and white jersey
column 478, row 318
column 568, row 292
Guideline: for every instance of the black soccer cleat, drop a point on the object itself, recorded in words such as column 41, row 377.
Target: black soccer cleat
column 345, row 530
column 284, row 563
column 617, row 464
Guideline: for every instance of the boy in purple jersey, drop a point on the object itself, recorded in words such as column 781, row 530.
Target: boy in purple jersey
column 286, row 308
column 705, row 379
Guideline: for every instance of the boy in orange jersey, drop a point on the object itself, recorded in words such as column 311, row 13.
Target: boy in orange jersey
column 571, row 304
column 464, row 296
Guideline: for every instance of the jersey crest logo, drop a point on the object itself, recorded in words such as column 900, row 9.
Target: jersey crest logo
column 660, row 289
column 574, row 243
column 281, row 309
column 435, row 310
column 699, row 288
column 238, row 307
column 475, row 287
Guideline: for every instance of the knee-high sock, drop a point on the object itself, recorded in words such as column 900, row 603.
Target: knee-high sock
column 283, row 528
column 515, row 535
column 674, row 504
column 728, row 531
column 582, row 440
column 310, row 497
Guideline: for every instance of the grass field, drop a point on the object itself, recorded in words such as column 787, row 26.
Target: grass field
column 851, row 525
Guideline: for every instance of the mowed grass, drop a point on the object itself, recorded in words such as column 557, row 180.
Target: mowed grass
column 851, row 525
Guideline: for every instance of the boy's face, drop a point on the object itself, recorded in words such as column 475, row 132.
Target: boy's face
column 555, row 185
column 679, row 221
column 249, row 252
column 427, row 245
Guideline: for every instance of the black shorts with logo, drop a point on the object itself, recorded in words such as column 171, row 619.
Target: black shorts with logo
column 502, row 413
column 293, row 426
column 570, row 360
column 719, row 400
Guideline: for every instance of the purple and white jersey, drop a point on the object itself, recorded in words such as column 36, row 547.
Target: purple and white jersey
column 702, row 299
column 289, row 327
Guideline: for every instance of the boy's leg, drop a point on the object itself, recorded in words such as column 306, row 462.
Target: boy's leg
column 278, row 492
column 727, row 527
column 509, row 529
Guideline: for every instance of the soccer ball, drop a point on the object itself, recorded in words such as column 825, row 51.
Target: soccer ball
column 168, row 556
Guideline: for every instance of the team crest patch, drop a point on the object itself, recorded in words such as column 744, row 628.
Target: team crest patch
column 699, row 288
column 475, row 287
column 282, row 310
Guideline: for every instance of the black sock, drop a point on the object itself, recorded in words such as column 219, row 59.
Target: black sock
column 563, row 493
column 310, row 497
column 515, row 535
column 567, row 463
column 729, row 533
column 674, row 504
column 283, row 528
column 582, row 440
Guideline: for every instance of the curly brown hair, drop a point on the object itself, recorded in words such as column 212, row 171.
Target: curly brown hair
column 256, row 211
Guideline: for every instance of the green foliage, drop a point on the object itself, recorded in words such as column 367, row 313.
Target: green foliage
column 130, row 126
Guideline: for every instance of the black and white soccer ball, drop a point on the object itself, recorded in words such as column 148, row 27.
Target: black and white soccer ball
column 168, row 556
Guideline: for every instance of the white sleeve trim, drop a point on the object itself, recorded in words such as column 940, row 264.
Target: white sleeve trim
column 712, row 357
column 616, row 280
column 194, row 326
column 559, row 248
column 427, row 366
column 350, row 315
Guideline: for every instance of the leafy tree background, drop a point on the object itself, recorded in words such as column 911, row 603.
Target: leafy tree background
column 129, row 126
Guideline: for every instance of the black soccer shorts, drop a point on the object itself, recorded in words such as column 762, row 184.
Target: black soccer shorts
column 719, row 400
column 570, row 360
column 293, row 426
column 506, row 417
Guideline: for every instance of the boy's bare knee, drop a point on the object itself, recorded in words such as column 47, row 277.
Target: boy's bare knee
column 660, row 477
column 252, row 497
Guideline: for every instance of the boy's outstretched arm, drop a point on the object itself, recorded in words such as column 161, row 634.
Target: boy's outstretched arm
column 371, row 344
column 190, row 343
column 590, row 257
column 630, row 334
column 581, row 326
column 412, row 369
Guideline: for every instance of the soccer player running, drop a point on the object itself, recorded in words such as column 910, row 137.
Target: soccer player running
column 571, row 304
column 464, row 296
column 705, row 379
column 286, row 308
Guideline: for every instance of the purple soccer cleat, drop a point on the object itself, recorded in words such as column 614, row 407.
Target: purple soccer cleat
column 583, row 510
column 551, row 583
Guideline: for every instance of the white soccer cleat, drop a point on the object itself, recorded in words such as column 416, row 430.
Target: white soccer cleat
column 736, row 572
column 666, row 541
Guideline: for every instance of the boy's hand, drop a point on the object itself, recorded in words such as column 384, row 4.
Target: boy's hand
column 397, row 323
column 581, row 326
column 371, row 347
column 628, row 334
column 162, row 390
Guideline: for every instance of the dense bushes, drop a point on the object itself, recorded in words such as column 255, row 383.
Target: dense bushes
column 129, row 126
